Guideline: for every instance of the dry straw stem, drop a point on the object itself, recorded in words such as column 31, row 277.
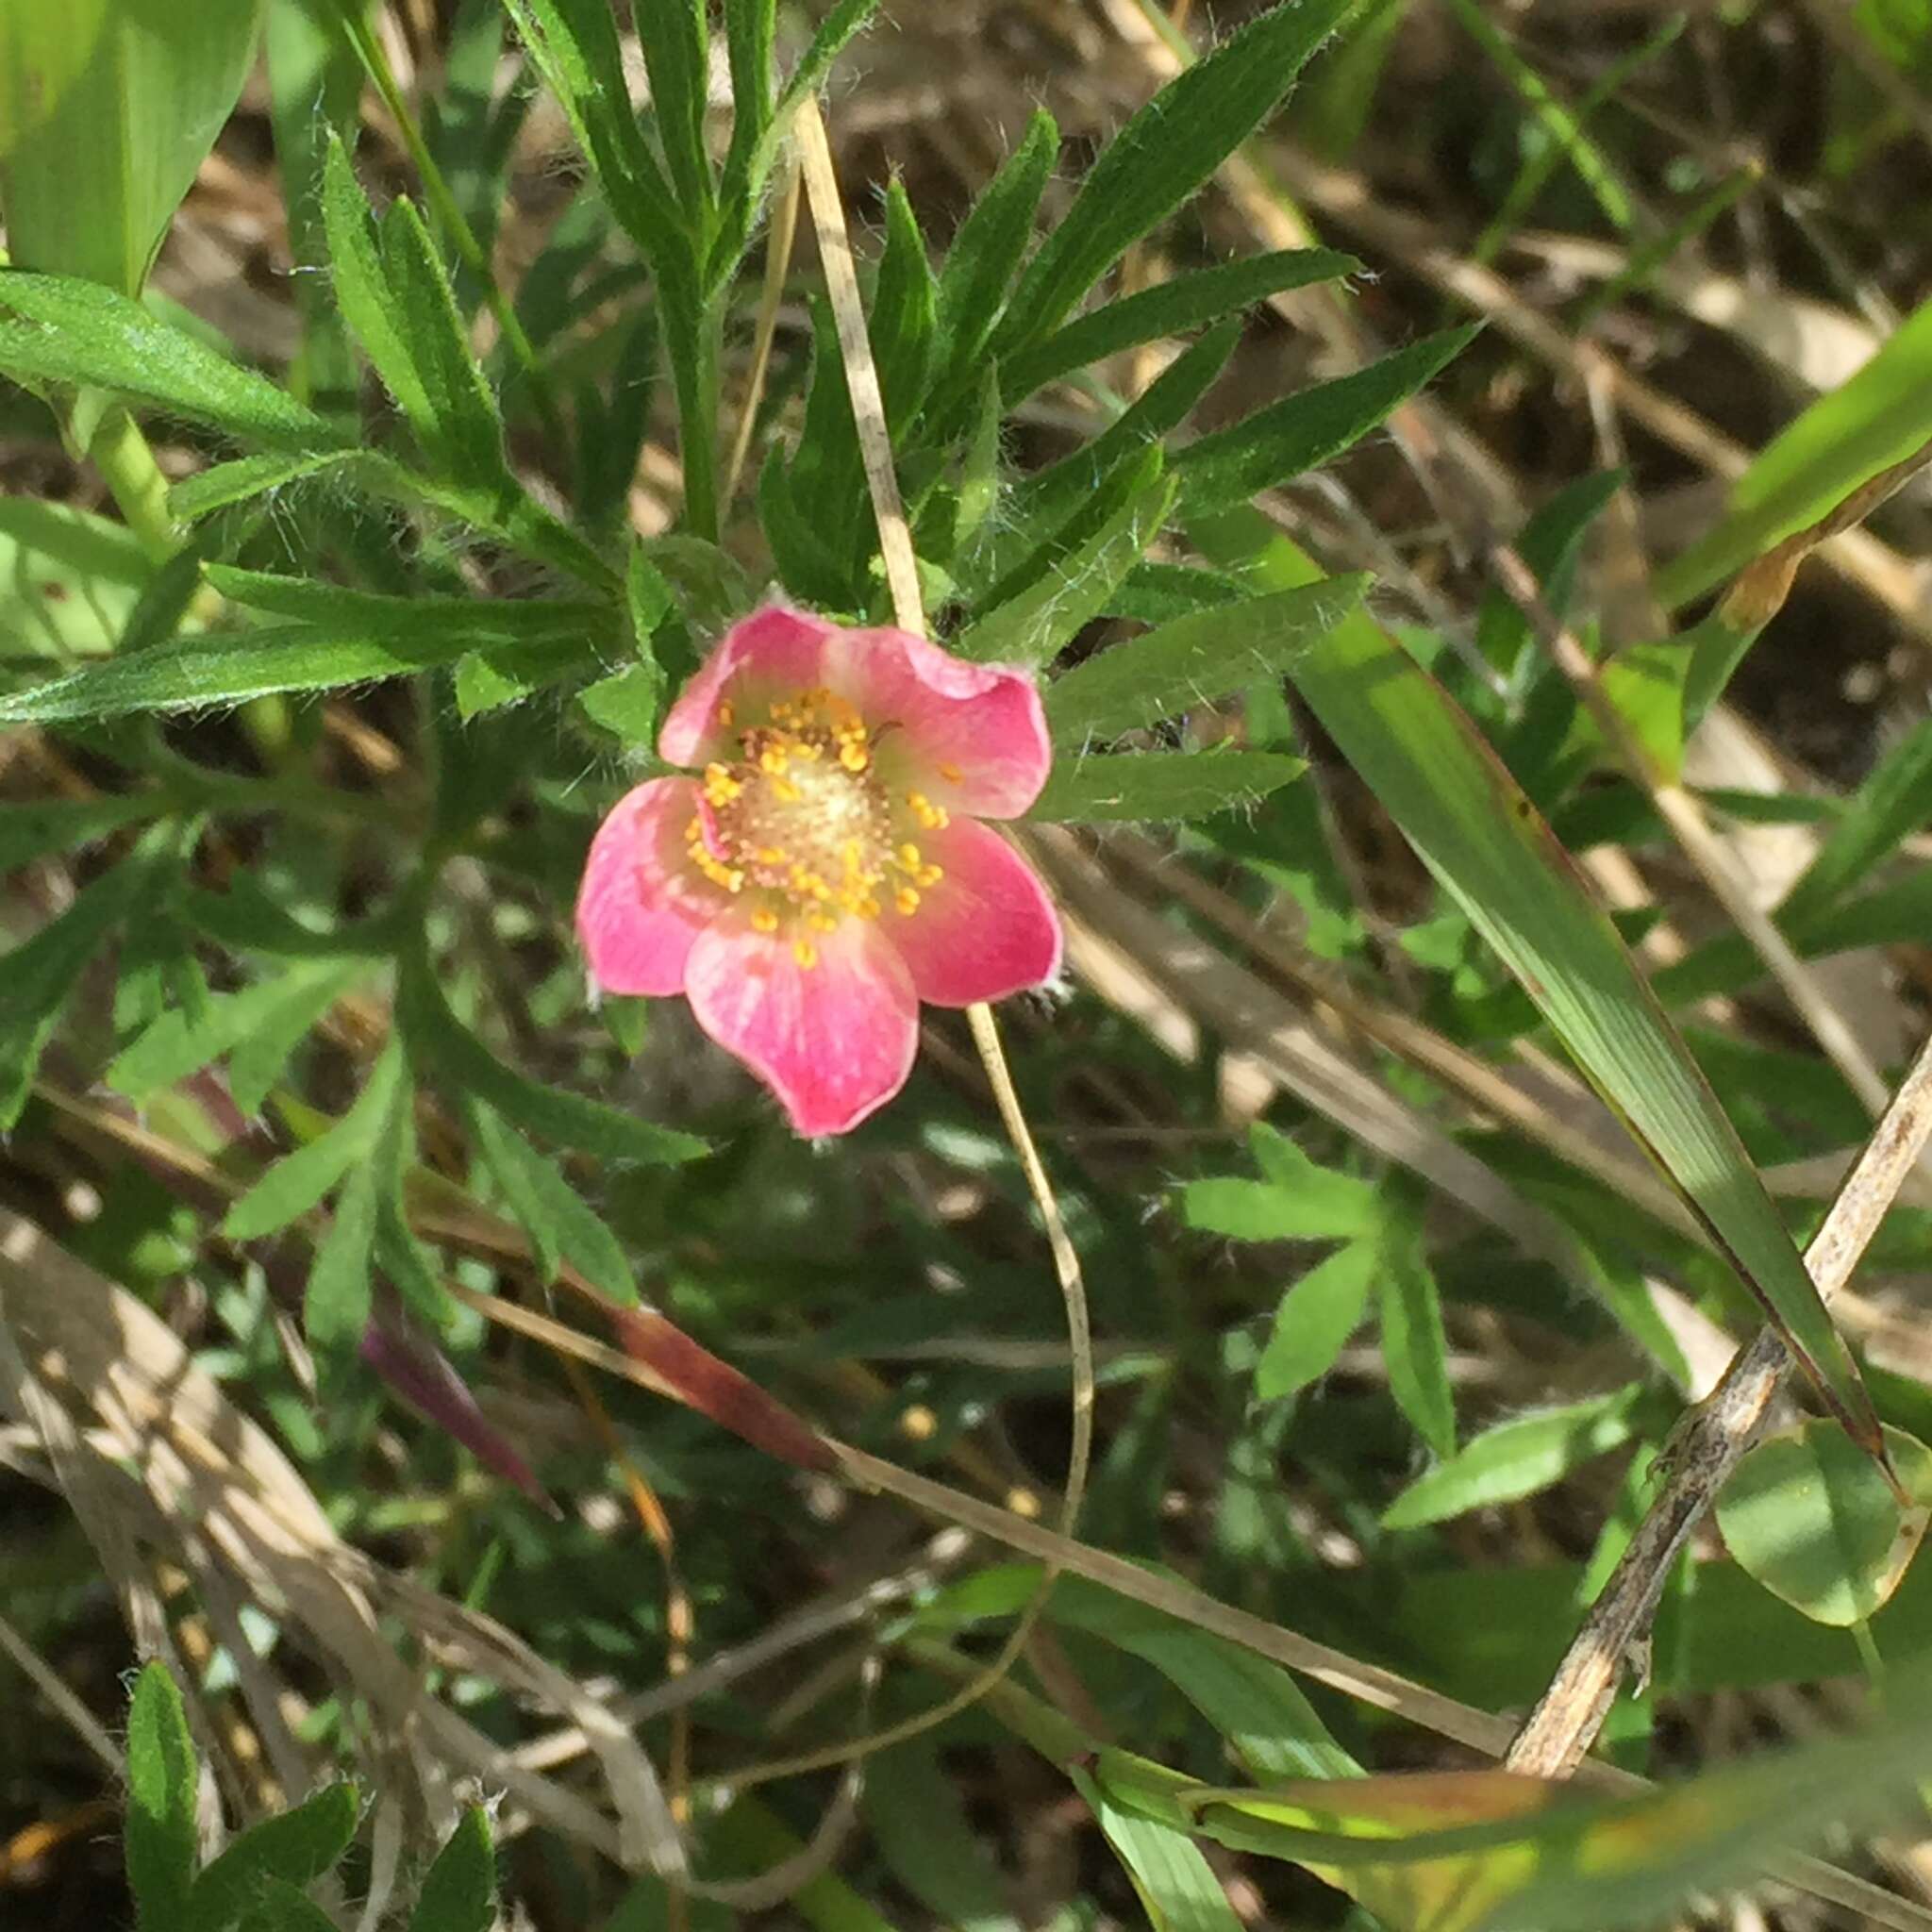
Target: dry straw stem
column 1351, row 203
column 1708, row 1448
column 901, row 577
column 1689, row 824
column 779, row 234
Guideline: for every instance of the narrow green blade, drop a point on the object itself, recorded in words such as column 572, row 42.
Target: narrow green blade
column 1489, row 846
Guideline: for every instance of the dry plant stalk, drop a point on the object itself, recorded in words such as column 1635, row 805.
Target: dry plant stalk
column 1708, row 1448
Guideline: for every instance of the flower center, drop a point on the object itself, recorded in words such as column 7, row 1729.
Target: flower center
column 802, row 822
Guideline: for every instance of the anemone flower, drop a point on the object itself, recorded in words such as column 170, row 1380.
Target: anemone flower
column 825, row 869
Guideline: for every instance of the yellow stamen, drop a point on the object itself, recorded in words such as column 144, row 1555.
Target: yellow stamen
column 764, row 920
column 805, row 953
column 906, row 899
column 951, row 773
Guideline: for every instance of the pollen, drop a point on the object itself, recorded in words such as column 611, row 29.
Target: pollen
column 794, row 815
column 805, row 953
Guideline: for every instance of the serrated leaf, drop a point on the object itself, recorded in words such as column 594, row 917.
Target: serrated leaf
column 1811, row 1518
column 1314, row 1320
column 569, row 1120
column 160, row 1837
column 460, row 1894
column 295, row 1847
column 1157, row 161
column 1302, row 431
column 1192, row 660
column 1520, row 1456
column 1158, row 786
column 1320, row 1205
column 299, row 1181
column 255, row 1062
column 75, row 332
column 1188, row 301
column 1485, row 842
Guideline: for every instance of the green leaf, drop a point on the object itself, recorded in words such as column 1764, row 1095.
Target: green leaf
column 70, row 826
column 462, row 432
column 75, row 332
column 1192, row 660
column 630, row 704
column 231, row 668
column 1877, row 417
column 299, row 1181
column 569, row 1120
column 39, row 974
column 336, row 1299
column 1033, row 627
column 255, row 1061
column 1315, row 1320
column 987, row 250
column 1485, row 842
column 919, row 1827
column 361, row 288
column 69, row 580
column 284, row 1908
column 1894, row 802
column 1170, row 309
column 179, row 1044
column 460, row 1894
column 161, row 1840
column 1413, row 1344
column 901, row 321
column 1162, row 156
column 295, row 1847
column 1304, row 430
column 1814, row 1522
column 1170, row 1873
column 106, row 112
column 1528, row 1453
column 1157, row 786
column 1299, row 1201
column 1255, row 1704
column 237, row 481
column 750, row 29
column 475, row 620
column 676, row 59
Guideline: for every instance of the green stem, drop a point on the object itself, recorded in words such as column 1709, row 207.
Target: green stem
column 126, row 462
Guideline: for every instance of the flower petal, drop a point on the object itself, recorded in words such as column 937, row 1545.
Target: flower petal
column 776, row 651
column 833, row 1040
column 986, row 930
column 641, row 905
column 972, row 736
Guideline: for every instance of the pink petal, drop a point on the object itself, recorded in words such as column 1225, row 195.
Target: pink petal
column 972, row 736
column 640, row 903
column 986, row 930
column 774, row 653
column 834, row 1040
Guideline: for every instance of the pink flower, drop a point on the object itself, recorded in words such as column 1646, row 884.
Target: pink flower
column 828, row 870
